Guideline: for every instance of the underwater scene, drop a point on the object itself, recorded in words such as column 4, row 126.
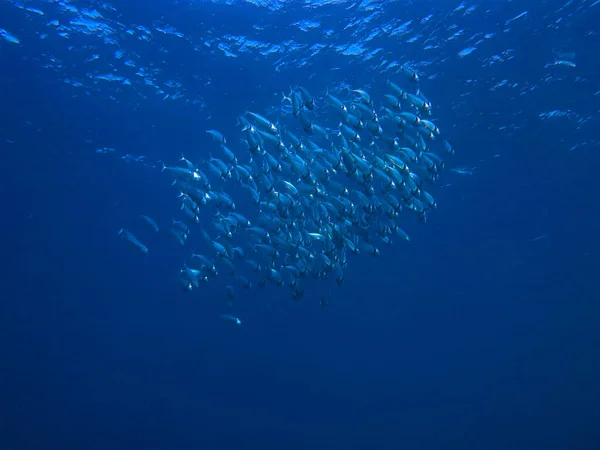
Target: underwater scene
column 300, row 224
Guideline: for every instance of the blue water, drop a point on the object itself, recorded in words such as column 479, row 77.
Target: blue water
column 481, row 333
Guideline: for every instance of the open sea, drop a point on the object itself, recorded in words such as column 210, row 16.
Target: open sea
column 480, row 332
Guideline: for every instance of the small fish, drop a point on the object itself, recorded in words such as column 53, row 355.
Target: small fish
column 9, row 37
column 364, row 95
column 150, row 222
column 447, row 147
column 307, row 99
column 230, row 293
column 217, row 136
column 540, row 238
column 410, row 74
column 561, row 62
column 180, row 172
column 266, row 124
column 337, row 104
column 231, row 318
column 129, row 237
column 463, row 170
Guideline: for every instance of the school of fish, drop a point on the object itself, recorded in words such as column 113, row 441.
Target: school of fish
column 310, row 197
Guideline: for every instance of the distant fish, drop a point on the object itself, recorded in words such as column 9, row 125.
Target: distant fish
column 9, row 37
column 217, row 136
column 129, row 237
column 231, row 318
column 150, row 222
column 523, row 14
column 561, row 62
column 410, row 74
column 540, row 238
column 463, row 170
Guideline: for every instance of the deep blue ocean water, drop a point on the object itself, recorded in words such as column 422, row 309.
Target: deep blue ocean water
column 481, row 333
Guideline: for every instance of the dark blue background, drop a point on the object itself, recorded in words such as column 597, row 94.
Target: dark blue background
column 473, row 336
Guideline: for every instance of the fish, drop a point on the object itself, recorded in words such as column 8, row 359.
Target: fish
column 7, row 36
column 337, row 104
column 263, row 122
column 181, row 173
column 307, row 99
column 463, row 170
column 410, row 74
column 217, row 136
column 230, row 294
column 150, row 222
column 317, row 189
column 231, row 318
column 365, row 97
column 132, row 240
column 560, row 62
